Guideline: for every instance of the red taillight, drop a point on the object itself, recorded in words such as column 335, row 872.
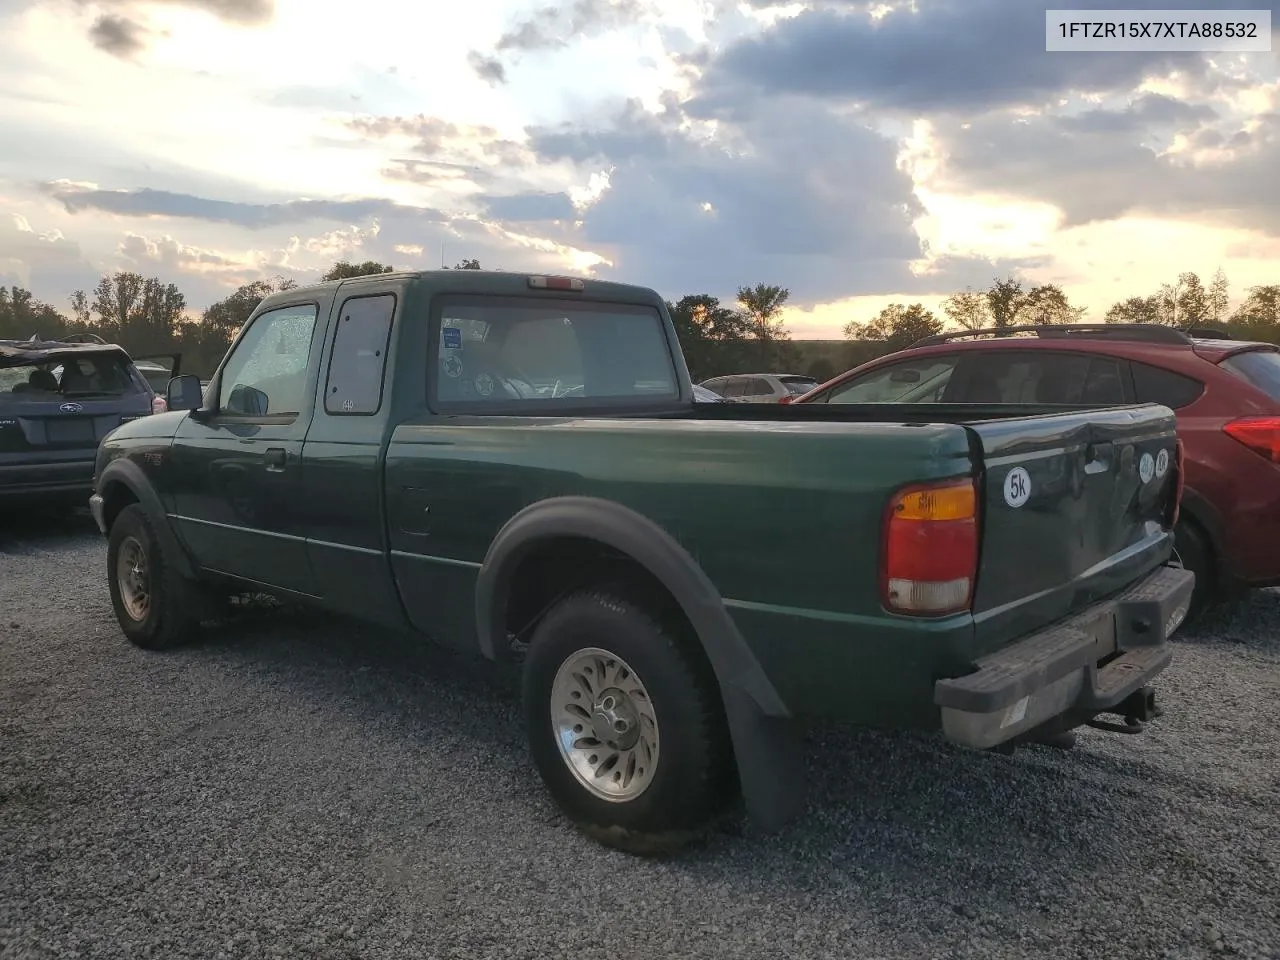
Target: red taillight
column 159, row 405
column 930, row 553
column 1259, row 434
column 786, row 398
column 555, row 283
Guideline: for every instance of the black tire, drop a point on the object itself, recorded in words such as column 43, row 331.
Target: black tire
column 1192, row 549
column 691, row 783
column 174, row 607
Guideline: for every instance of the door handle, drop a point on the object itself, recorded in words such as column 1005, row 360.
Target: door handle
column 275, row 458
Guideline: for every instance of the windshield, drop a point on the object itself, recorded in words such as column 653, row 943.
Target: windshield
column 1260, row 368
column 83, row 376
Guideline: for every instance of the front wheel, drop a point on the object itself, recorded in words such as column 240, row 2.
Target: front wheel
column 625, row 725
column 155, row 607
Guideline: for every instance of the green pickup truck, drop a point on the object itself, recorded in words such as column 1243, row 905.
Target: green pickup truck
column 514, row 465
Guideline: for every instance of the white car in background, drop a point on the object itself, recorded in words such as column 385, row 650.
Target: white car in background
column 760, row 387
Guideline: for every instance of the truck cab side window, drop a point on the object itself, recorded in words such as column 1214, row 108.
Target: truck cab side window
column 266, row 372
column 354, row 386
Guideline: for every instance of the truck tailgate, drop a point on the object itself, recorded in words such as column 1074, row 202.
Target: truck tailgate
column 1075, row 507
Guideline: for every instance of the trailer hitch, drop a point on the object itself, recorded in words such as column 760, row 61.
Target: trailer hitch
column 1137, row 709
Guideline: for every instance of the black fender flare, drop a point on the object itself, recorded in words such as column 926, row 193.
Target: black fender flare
column 128, row 474
column 766, row 744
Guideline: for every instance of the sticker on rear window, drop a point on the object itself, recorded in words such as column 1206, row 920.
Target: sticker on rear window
column 1146, row 468
column 1017, row 487
column 452, row 338
column 1162, row 463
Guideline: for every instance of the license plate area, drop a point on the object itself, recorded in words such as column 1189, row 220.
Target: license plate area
column 79, row 430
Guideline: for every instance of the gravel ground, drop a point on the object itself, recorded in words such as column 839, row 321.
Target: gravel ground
column 296, row 788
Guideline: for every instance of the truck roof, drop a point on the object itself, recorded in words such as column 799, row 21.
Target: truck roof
column 487, row 281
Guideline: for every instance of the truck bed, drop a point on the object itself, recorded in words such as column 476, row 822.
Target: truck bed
column 783, row 507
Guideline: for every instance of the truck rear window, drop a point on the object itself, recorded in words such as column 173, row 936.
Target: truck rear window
column 83, row 376
column 538, row 349
column 1260, row 368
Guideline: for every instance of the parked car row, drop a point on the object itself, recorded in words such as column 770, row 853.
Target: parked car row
column 544, row 489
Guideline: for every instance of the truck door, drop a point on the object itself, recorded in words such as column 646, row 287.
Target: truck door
column 342, row 480
column 236, row 469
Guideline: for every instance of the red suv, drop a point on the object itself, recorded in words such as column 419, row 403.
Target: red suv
column 1226, row 394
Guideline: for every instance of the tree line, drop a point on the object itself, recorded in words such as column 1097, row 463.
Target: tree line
column 148, row 316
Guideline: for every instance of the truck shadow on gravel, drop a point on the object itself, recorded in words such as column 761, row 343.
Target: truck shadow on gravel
column 891, row 815
column 43, row 528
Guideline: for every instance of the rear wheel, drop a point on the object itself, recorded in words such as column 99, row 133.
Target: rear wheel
column 1191, row 549
column 625, row 725
column 155, row 607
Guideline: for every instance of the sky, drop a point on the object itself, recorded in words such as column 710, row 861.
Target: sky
column 857, row 153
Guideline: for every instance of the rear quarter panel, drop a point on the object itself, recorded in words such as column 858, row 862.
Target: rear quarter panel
column 785, row 519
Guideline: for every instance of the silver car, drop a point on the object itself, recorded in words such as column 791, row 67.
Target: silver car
column 760, row 387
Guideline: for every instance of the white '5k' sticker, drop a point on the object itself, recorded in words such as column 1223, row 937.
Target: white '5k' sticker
column 1017, row 487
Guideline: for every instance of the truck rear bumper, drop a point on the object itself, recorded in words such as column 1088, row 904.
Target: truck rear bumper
column 1080, row 667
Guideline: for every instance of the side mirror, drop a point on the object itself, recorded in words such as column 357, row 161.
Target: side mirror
column 184, row 393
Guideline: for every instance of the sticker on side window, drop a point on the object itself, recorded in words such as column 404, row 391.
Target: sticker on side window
column 452, row 338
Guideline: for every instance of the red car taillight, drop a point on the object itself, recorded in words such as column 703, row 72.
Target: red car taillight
column 929, row 559
column 159, row 405
column 1259, row 434
column 786, row 398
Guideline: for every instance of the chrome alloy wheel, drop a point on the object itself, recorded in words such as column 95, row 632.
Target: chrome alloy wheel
column 605, row 724
column 131, row 577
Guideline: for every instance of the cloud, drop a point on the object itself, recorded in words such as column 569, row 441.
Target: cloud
column 118, row 36
column 526, row 207
column 77, row 197
column 487, row 67
column 139, row 251
column 126, row 36
column 555, row 28
column 46, row 263
column 1155, row 157
column 249, row 13
column 206, row 274
column 442, row 140
column 929, row 56
column 433, row 172
column 789, row 193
